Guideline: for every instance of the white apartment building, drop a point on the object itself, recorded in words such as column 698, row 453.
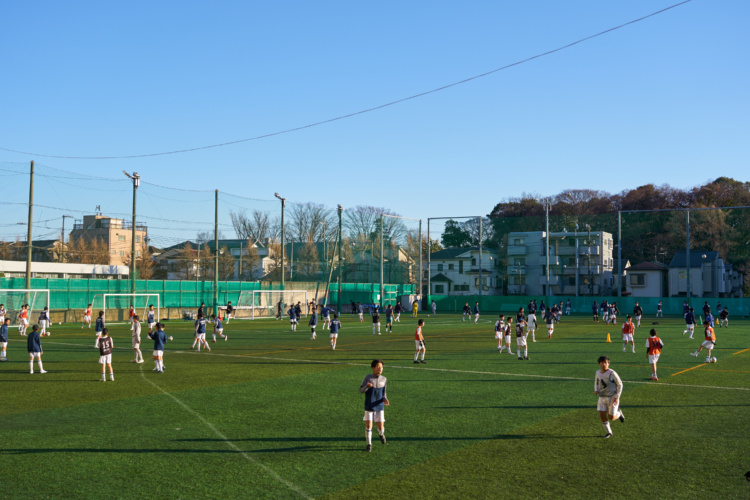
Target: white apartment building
column 455, row 271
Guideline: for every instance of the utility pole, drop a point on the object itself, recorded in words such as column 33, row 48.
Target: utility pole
column 588, row 258
column 216, row 253
column 283, row 204
column 687, row 252
column 546, row 249
column 382, row 261
column 481, row 285
column 136, row 182
column 62, row 238
column 341, row 236
column 28, row 234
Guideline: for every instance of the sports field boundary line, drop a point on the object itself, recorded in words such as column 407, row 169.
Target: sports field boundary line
column 226, row 440
column 475, row 372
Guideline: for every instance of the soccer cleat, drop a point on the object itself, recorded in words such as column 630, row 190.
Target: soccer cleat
column 423, row 362
column 694, row 354
column 42, row 371
column 654, row 377
column 608, row 435
column 415, row 362
column 622, row 417
column 526, row 358
column 133, row 361
column 369, row 447
column 159, row 371
column 520, row 359
column 214, row 341
column 102, row 379
column 382, row 438
column 139, row 361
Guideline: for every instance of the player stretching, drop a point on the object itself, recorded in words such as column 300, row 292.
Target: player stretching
column 709, row 343
column 136, row 341
column 419, row 341
column 628, row 330
column 218, row 328
column 500, row 332
column 150, row 318
column 375, row 400
column 654, row 346
column 608, row 386
column 335, row 327
column 44, row 322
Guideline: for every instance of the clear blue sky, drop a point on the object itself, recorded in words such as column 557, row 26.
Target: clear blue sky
column 662, row 101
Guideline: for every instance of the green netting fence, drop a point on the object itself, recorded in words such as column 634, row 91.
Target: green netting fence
column 68, row 294
column 582, row 305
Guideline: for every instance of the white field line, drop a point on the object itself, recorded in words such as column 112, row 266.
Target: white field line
column 422, row 368
column 227, row 441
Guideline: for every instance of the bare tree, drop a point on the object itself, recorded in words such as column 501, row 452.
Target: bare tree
column 308, row 221
column 144, row 265
column 258, row 226
column 250, row 261
column 226, row 264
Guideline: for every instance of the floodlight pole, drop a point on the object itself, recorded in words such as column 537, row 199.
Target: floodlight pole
column 382, row 261
column 283, row 205
column 338, row 300
column 133, row 268
column 419, row 278
column 429, row 262
column 28, row 233
column 546, row 250
column 619, row 253
column 687, row 253
column 216, row 253
column 481, row 285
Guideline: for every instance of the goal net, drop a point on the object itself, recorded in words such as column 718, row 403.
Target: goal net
column 256, row 304
column 13, row 301
column 112, row 303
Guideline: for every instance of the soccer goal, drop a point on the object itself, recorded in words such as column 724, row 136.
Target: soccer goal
column 115, row 301
column 256, row 304
column 13, row 299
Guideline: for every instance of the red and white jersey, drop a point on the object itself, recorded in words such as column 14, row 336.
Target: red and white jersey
column 710, row 335
column 654, row 345
column 24, row 314
column 628, row 328
column 418, row 334
column 87, row 312
column 132, row 313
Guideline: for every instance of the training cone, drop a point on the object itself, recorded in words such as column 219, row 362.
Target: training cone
column 608, row 339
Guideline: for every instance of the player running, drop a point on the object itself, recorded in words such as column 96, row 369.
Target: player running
column 608, row 386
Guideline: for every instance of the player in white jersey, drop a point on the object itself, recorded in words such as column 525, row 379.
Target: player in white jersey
column 136, row 340
column 499, row 332
column 3, row 312
column 531, row 326
column 507, row 334
column 608, row 386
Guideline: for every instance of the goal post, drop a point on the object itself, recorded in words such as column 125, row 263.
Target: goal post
column 116, row 301
column 13, row 299
column 257, row 304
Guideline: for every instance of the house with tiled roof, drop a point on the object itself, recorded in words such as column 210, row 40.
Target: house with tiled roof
column 456, row 271
column 647, row 279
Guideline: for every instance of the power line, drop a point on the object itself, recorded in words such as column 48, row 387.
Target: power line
column 361, row 112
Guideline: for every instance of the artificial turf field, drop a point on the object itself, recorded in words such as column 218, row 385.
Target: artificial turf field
column 272, row 414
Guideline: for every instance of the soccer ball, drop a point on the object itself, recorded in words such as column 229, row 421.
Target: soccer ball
column 172, row 338
column 59, row 322
column 713, row 360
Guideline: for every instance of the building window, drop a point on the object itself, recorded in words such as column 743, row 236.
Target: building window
column 114, row 252
column 571, row 243
column 518, row 280
column 440, row 267
column 120, row 237
column 137, row 253
column 519, row 261
column 122, row 253
column 439, row 289
column 637, row 280
column 473, row 261
column 460, row 267
column 137, row 239
column 450, row 267
column 519, row 241
column 571, row 280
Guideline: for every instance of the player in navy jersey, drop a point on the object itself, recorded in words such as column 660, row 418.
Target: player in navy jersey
column 335, row 327
column 218, row 328
column 397, row 311
column 292, row 318
column 151, row 318
column 34, row 346
column 4, row 337
column 467, row 312
column 389, row 318
column 105, row 353
column 374, row 388
column 476, row 312
column 44, row 322
column 313, row 323
column 200, row 333
column 376, row 321
column 160, row 339
column 99, row 327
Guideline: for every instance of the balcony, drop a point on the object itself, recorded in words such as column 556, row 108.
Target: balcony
column 592, row 250
column 584, row 290
column 517, row 250
column 553, row 280
column 516, row 270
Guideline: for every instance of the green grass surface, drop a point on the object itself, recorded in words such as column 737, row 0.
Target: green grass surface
column 272, row 414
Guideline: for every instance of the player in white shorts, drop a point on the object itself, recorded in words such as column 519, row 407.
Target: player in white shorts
column 292, row 319
column 2, row 313
column 218, row 328
column 531, row 326
column 151, row 318
column 507, row 335
column 105, row 354
column 521, row 342
column 608, row 386
column 87, row 317
column 499, row 332
column 335, row 326
column 44, row 322
column 136, row 340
